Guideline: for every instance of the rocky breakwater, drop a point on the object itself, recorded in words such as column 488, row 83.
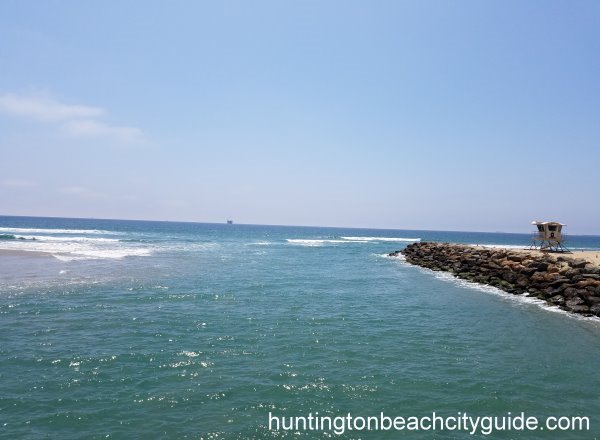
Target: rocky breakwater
column 571, row 284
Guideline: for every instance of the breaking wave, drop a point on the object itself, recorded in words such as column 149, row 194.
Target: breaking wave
column 56, row 231
column 344, row 240
column 401, row 239
column 71, row 247
column 313, row 242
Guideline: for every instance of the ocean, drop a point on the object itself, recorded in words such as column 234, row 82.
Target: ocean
column 134, row 329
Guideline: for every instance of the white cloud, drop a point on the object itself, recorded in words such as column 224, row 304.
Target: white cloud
column 45, row 109
column 78, row 121
column 88, row 128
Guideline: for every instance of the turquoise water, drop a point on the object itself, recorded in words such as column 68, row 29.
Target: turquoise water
column 181, row 330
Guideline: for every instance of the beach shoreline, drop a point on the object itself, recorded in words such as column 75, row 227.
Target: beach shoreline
column 24, row 253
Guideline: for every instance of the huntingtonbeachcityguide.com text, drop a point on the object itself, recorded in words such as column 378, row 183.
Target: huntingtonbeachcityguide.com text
column 461, row 422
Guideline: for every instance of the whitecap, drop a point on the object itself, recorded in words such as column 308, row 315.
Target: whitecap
column 189, row 354
column 110, row 254
column 56, row 231
column 401, row 239
column 77, row 248
column 313, row 242
column 345, row 240
column 66, row 239
column 398, row 257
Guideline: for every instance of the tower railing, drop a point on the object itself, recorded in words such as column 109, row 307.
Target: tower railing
column 553, row 244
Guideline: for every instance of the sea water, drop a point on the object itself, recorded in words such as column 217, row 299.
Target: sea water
column 126, row 329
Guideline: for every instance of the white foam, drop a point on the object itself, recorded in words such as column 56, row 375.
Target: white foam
column 187, row 246
column 114, row 254
column 401, row 239
column 398, row 257
column 66, row 239
column 55, row 231
column 190, row 354
column 77, row 248
column 345, row 240
column 314, row 242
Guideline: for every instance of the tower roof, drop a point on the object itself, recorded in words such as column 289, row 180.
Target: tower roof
column 535, row 222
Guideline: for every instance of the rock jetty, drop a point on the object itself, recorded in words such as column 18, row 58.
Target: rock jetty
column 571, row 284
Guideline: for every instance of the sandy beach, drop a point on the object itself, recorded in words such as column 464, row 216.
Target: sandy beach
column 592, row 257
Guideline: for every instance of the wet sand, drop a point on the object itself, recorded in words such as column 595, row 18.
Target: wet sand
column 20, row 253
column 19, row 266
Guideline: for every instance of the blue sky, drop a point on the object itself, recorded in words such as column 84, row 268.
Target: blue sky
column 464, row 115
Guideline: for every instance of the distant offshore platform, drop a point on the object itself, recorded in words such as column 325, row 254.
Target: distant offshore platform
column 229, row 222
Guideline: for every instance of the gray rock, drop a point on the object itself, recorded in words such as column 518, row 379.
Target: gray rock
column 550, row 292
column 528, row 271
column 590, row 268
column 572, row 272
column 522, row 281
column 578, row 263
column 575, row 301
column 542, row 267
column 584, row 310
column 593, row 299
column 559, row 281
column 511, row 277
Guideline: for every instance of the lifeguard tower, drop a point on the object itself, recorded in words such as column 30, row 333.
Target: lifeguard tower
column 548, row 237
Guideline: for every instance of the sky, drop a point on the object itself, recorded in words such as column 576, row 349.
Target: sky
column 445, row 115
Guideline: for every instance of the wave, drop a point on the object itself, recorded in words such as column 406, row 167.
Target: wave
column 46, row 238
column 402, row 239
column 314, row 242
column 101, row 254
column 16, row 237
column 345, row 240
column 72, row 248
column 399, row 257
column 56, row 231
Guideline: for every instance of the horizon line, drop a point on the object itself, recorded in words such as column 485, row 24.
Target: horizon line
column 278, row 225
